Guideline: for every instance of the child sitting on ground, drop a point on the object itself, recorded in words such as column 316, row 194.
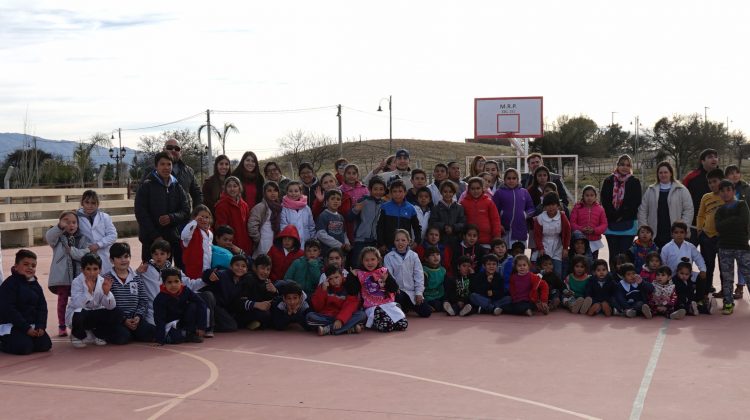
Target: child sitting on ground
column 687, row 298
column 574, row 295
column 527, row 290
column 335, row 309
column 432, row 240
column 457, row 290
column 434, row 273
column 488, row 293
column 131, row 298
column 91, row 314
column 600, row 290
column 579, row 246
column 663, row 301
column 404, row 265
column 334, row 257
column 642, row 246
column 470, row 247
column 631, row 293
column 518, row 248
column 305, row 270
column 653, row 262
column 180, row 315
column 290, row 307
column 556, row 285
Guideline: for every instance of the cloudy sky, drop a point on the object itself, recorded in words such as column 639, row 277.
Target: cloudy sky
column 74, row 68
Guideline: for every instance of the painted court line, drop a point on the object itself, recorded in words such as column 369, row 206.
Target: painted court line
column 648, row 375
column 418, row 378
column 89, row 388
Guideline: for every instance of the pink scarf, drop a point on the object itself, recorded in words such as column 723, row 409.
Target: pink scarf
column 298, row 204
column 618, row 191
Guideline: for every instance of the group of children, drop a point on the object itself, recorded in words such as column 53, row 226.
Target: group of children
column 388, row 250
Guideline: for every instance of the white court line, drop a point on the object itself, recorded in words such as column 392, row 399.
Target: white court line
column 418, row 378
column 89, row 388
column 648, row 375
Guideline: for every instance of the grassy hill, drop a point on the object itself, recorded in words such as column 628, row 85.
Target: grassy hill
column 424, row 153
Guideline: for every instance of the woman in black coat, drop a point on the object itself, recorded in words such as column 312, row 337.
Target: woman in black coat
column 621, row 196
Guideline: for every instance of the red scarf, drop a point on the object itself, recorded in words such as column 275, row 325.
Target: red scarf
column 618, row 190
column 298, row 204
column 175, row 295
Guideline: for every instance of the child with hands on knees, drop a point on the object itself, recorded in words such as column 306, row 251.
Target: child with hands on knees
column 527, row 290
column 335, row 309
column 435, row 274
column 663, row 301
column 631, row 293
column 574, row 295
column 404, row 265
column 180, row 315
column 653, row 262
column 458, row 290
column 600, row 290
column 487, row 288
column 91, row 312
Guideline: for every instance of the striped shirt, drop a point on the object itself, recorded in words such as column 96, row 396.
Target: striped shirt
column 130, row 295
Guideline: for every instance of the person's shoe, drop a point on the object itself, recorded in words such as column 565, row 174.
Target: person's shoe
column 466, row 310
column 606, row 309
column 77, row 342
column 90, row 337
column 646, row 311
column 209, row 334
column 359, row 328
column 718, row 294
column 253, row 325
column 586, row 305
column 555, row 303
column 545, row 310
column 694, row 308
column 616, row 312
column 100, row 341
column 738, row 292
column 497, row 311
column 449, row 309
column 728, row 309
column 576, row 306
column 62, row 332
column 678, row 314
column 529, row 312
column 630, row 313
column 194, row 339
column 324, row 330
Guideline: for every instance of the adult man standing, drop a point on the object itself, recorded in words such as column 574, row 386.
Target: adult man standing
column 184, row 174
column 454, row 174
column 697, row 184
column 534, row 161
column 402, row 171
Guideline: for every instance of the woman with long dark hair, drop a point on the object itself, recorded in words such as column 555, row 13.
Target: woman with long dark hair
column 248, row 172
column 214, row 185
column 621, row 197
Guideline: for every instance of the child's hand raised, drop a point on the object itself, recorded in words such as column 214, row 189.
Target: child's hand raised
column 213, row 277
column 107, row 285
column 270, row 287
column 263, row 306
column 319, row 193
column 142, row 268
column 325, row 284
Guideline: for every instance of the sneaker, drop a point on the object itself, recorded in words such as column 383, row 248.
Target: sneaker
column 678, row 314
column 728, row 309
column 718, row 295
column 253, row 325
column 694, row 308
column 99, row 341
column 576, row 306
column 62, row 332
column 646, row 311
column 529, row 312
column 497, row 311
column 209, row 334
column 449, row 309
column 194, row 339
column 586, row 305
column 630, row 313
column 359, row 328
column 555, row 303
column 90, row 337
column 77, row 342
column 466, row 310
column 616, row 312
column 738, row 292
column 324, row 330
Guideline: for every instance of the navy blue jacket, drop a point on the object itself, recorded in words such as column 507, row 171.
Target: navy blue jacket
column 394, row 216
column 637, row 294
column 22, row 303
column 597, row 293
column 481, row 286
column 685, row 292
column 168, row 308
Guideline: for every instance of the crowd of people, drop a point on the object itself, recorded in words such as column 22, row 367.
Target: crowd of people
column 341, row 252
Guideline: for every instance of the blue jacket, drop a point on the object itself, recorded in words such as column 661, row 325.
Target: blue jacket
column 22, row 303
column 394, row 216
column 168, row 308
column 628, row 295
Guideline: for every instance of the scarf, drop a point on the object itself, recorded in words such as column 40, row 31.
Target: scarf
column 275, row 208
column 618, row 190
column 175, row 295
column 298, row 204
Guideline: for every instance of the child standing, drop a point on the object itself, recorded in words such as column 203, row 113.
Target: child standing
column 423, row 208
column 305, row 270
column 352, row 186
column 439, row 175
column 527, row 290
column 631, row 293
column 233, row 211
column 196, row 242
column 365, row 213
column 705, row 223
column 732, row 224
column 515, row 206
column 68, row 247
column 285, row 249
column 265, row 219
column 653, row 262
column 447, row 215
column 574, row 295
column 404, row 265
column 458, row 291
column 180, row 315
column 297, row 213
column 395, row 215
column 434, row 291
column 487, row 288
column 481, row 212
column 378, row 291
column 588, row 217
column 91, row 313
column 418, row 180
column 97, row 227
column 335, row 309
column 131, row 298
column 552, row 232
column 331, row 229
column 642, row 246
column 663, row 301
column 600, row 290
column 23, row 309
column 742, row 193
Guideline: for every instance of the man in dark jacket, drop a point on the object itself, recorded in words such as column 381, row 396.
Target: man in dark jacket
column 161, row 207
column 183, row 173
column 534, row 161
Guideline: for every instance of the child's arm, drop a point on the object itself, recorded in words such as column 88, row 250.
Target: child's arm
column 53, row 235
column 194, row 284
column 283, row 219
column 187, row 232
column 140, row 310
column 80, row 298
column 538, row 236
column 380, row 229
column 495, row 225
column 565, row 234
column 81, row 249
column 351, row 304
column 309, row 223
column 574, row 218
column 320, row 297
column 530, row 209
column 698, row 259
column 418, row 277
column 602, row 224
column 110, row 232
column 291, row 272
column 700, row 218
column 416, row 228
column 254, row 222
column 9, row 310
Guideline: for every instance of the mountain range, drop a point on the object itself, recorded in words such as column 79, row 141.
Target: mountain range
column 10, row 142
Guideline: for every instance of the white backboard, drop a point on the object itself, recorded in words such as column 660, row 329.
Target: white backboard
column 497, row 118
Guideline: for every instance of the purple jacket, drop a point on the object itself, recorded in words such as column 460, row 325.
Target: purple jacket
column 515, row 206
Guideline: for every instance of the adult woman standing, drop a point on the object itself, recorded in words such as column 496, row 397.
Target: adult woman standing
column 536, row 187
column 621, row 196
column 214, row 184
column 665, row 202
column 309, row 181
column 476, row 167
column 252, row 181
column 272, row 171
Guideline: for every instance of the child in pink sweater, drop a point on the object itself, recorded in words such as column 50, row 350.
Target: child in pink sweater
column 588, row 217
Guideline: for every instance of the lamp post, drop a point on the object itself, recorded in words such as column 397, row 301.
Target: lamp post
column 612, row 121
column 390, row 120
column 201, row 151
column 118, row 154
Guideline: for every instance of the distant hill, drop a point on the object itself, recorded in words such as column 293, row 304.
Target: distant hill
column 13, row 141
column 424, row 153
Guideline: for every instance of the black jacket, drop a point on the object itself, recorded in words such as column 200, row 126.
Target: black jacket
column 168, row 308
column 452, row 292
column 154, row 199
column 481, row 286
column 186, row 178
column 597, row 293
column 628, row 211
column 22, row 303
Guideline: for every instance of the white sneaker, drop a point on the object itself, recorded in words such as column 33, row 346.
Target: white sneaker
column 646, row 311
column 466, row 310
column 90, row 337
column 630, row 313
column 586, row 305
column 497, row 311
column 77, row 342
column 678, row 314
column 449, row 309
column 694, row 307
column 100, row 341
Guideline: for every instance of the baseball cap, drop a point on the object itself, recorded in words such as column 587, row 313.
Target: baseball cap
column 402, row 153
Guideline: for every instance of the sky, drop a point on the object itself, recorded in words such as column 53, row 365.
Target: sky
column 74, row 68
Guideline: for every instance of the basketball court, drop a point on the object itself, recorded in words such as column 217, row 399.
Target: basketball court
column 478, row 367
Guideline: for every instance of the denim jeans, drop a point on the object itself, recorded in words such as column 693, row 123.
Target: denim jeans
column 488, row 304
column 315, row 319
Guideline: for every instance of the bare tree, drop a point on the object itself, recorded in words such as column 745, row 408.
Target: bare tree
column 739, row 146
column 299, row 146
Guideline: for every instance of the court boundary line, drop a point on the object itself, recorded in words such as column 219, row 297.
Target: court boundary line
column 648, row 374
column 89, row 388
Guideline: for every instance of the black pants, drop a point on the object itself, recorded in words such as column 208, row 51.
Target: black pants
column 423, row 309
column 223, row 320
column 709, row 251
column 210, row 300
column 282, row 320
column 518, row 308
column 123, row 335
column 18, row 342
column 617, row 244
column 186, row 326
column 101, row 322
column 246, row 317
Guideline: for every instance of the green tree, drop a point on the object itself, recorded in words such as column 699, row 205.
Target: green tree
column 222, row 136
column 683, row 137
column 739, row 146
column 82, row 156
column 26, row 161
column 192, row 151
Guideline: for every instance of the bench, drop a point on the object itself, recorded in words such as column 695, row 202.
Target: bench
column 26, row 214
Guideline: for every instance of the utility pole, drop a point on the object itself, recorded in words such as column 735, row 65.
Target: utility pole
column 613, row 118
column 341, row 144
column 637, row 123
column 210, row 150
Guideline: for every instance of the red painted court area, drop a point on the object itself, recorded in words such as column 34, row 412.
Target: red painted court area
column 558, row 366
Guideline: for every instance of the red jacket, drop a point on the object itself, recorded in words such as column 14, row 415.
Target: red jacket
column 279, row 261
column 593, row 216
column 483, row 213
column 539, row 233
column 192, row 255
column 539, row 288
column 235, row 214
column 335, row 302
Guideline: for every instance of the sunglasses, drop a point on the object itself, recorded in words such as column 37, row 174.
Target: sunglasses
column 175, row 148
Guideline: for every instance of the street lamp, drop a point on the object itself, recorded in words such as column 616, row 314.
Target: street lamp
column 200, row 151
column 117, row 154
column 390, row 120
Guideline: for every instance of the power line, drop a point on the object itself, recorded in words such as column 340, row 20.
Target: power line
column 164, row 124
column 275, row 111
column 375, row 114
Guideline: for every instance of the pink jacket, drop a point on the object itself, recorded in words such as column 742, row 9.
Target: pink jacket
column 593, row 216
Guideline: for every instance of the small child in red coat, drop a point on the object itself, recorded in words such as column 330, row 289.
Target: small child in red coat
column 285, row 249
column 196, row 240
column 335, row 309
